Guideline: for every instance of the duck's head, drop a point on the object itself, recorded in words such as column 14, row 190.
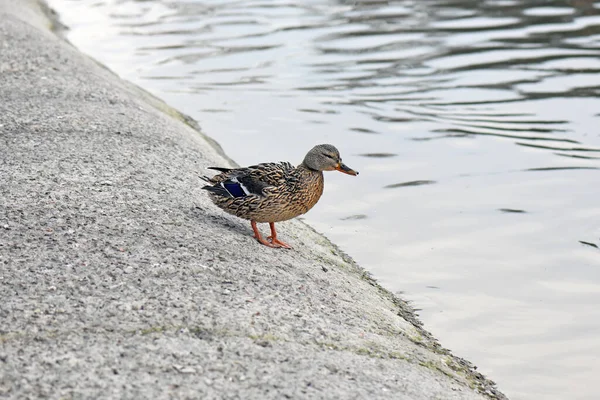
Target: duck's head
column 325, row 157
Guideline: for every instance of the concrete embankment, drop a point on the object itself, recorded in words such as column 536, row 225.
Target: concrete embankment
column 119, row 278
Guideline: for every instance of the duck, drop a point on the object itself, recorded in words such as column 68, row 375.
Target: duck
column 274, row 192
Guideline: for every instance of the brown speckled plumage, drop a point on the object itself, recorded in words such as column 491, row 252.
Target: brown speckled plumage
column 274, row 192
column 289, row 192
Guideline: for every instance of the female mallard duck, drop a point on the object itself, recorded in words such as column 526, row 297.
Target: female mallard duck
column 273, row 192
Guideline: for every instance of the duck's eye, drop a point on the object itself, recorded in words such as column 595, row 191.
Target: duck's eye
column 329, row 156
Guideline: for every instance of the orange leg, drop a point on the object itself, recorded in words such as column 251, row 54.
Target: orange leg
column 273, row 237
column 259, row 237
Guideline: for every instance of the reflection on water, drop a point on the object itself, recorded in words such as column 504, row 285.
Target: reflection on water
column 511, row 210
column 411, row 183
column 488, row 110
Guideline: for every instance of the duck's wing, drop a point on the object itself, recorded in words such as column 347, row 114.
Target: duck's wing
column 273, row 174
column 256, row 180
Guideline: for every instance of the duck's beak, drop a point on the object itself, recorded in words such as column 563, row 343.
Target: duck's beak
column 345, row 169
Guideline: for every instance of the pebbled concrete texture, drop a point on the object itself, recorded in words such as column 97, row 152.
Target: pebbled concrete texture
column 120, row 279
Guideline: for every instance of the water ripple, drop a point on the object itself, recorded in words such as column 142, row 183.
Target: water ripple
column 495, row 101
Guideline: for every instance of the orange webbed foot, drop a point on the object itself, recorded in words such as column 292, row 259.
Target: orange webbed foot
column 272, row 240
column 278, row 242
column 273, row 237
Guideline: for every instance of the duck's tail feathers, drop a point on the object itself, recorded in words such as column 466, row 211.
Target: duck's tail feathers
column 220, row 169
column 218, row 190
column 206, row 179
column 212, row 180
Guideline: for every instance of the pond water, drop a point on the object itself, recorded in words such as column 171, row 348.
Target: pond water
column 474, row 124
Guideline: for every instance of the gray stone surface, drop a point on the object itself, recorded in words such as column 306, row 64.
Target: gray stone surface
column 119, row 278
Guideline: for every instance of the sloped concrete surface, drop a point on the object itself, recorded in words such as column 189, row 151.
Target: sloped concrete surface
column 119, row 278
